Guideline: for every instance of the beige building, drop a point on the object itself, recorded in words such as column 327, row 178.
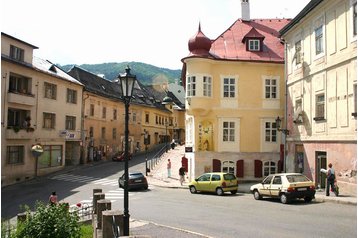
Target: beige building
column 321, row 65
column 40, row 104
column 234, row 92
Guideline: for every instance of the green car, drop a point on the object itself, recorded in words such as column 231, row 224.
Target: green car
column 218, row 183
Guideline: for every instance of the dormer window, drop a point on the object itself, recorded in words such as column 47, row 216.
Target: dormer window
column 254, row 45
column 253, row 40
column 16, row 53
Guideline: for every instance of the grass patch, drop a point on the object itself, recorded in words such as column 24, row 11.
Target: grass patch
column 86, row 231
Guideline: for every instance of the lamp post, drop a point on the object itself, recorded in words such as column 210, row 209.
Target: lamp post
column 146, row 142
column 286, row 132
column 127, row 81
column 166, row 100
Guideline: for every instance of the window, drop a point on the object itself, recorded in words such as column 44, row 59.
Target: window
column 49, row 120
column 319, row 40
column 16, row 53
column 254, row 45
column 104, row 112
column 207, row 86
column 114, row 114
column 271, row 88
column 215, row 177
column 103, row 133
column 156, row 119
column 92, row 110
column 277, row 180
column 51, row 157
column 19, row 84
column 270, row 132
column 298, row 52
column 267, row 180
column 70, row 123
column 229, row 167
column 114, row 133
column 269, row 168
column 204, row 178
column 91, row 131
column 71, row 96
column 134, row 116
column 15, row 154
column 147, row 118
column 355, row 19
column 320, row 103
column 17, row 117
column 228, row 131
column 50, row 90
column 191, row 86
column 229, row 87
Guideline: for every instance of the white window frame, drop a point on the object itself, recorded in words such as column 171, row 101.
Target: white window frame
column 207, row 86
column 353, row 20
column 270, row 132
column 270, row 165
column 50, row 90
column 228, row 166
column 319, row 104
column 70, row 123
column 229, row 131
column 229, row 87
column 319, row 23
column 271, row 87
column 254, row 44
column 298, row 53
column 191, row 86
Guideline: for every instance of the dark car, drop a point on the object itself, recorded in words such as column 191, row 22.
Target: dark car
column 136, row 181
column 119, row 156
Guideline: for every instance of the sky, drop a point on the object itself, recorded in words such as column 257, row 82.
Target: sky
column 150, row 31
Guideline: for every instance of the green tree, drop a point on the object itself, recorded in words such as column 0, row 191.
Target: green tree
column 49, row 221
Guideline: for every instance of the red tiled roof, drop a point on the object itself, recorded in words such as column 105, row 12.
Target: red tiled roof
column 230, row 45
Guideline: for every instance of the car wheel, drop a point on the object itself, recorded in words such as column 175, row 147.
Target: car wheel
column 257, row 195
column 219, row 191
column 192, row 189
column 233, row 192
column 283, row 198
column 308, row 199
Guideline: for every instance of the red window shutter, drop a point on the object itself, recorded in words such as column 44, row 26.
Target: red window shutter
column 216, row 165
column 240, row 168
column 184, row 163
column 258, row 168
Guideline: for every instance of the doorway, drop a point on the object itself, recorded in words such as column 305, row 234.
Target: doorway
column 321, row 162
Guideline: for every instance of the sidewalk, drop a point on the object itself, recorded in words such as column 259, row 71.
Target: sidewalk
column 158, row 177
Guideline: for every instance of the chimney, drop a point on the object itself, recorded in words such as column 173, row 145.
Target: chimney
column 245, row 10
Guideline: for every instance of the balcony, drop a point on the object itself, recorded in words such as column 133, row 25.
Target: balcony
column 19, row 134
column 21, row 98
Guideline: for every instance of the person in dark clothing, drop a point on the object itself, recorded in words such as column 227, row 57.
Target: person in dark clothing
column 182, row 174
column 330, row 180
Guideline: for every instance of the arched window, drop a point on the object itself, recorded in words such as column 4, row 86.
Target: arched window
column 228, row 167
column 269, row 167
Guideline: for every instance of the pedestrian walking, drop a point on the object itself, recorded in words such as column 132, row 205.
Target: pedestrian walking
column 52, row 199
column 182, row 174
column 331, row 177
column 169, row 168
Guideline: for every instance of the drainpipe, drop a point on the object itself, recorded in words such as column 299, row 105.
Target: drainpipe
column 285, row 112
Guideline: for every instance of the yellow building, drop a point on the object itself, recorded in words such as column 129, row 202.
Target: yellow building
column 40, row 104
column 321, row 44
column 235, row 90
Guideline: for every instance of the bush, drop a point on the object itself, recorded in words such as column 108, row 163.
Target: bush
column 49, row 221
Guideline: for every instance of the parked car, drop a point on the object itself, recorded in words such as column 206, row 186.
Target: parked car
column 119, row 156
column 286, row 186
column 218, row 183
column 136, row 181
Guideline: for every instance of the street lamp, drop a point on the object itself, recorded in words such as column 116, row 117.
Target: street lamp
column 146, row 142
column 127, row 81
column 278, row 126
column 166, row 100
column 286, row 132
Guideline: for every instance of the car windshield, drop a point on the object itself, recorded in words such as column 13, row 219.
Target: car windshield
column 137, row 175
column 297, row 178
column 229, row 177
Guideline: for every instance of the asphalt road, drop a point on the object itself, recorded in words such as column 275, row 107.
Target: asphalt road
column 228, row 216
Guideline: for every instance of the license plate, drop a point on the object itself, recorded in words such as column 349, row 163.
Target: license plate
column 138, row 180
column 301, row 189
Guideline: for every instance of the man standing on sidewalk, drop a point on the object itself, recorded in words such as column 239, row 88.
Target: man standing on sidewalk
column 169, row 167
column 182, row 174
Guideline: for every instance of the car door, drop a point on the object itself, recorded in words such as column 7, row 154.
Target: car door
column 276, row 186
column 203, row 182
column 266, row 184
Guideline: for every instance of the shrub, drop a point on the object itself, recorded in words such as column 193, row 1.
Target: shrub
column 49, row 221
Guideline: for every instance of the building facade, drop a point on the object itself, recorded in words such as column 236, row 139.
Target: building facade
column 235, row 90
column 321, row 65
column 40, row 105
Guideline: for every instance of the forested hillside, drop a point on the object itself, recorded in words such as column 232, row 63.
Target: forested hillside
column 146, row 73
